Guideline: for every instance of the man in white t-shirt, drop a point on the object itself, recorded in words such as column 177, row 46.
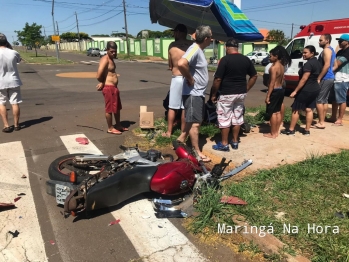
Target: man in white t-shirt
column 9, row 84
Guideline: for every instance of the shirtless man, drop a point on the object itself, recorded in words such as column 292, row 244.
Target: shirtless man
column 175, row 52
column 275, row 95
column 108, row 84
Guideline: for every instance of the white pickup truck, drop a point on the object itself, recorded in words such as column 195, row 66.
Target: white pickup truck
column 103, row 52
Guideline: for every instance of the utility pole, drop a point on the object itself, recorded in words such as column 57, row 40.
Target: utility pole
column 77, row 26
column 59, row 45
column 54, row 29
column 292, row 31
column 57, row 28
column 128, row 46
column 44, row 31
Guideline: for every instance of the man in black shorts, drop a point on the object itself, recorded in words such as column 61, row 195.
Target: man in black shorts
column 275, row 95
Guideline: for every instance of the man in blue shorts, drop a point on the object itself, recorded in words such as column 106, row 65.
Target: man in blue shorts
column 341, row 81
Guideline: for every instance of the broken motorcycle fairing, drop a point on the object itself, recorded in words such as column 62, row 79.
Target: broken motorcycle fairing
column 167, row 179
column 121, row 178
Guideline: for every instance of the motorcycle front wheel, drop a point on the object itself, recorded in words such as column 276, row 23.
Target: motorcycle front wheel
column 61, row 168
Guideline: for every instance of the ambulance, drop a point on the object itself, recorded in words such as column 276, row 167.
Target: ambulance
column 310, row 35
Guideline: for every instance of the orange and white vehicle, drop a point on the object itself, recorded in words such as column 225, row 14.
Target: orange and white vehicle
column 310, row 35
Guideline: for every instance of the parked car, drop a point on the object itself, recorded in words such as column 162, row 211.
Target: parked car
column 92, row 51
column 103, row 52
column 266, row 61
column 256, row 57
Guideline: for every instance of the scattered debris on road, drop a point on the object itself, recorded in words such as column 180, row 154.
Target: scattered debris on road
column 232, row 200
column 82, row 140
column 114, row 222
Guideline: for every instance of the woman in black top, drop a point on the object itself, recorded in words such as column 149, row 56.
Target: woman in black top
column 306, row 91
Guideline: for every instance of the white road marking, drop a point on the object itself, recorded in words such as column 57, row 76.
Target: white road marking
column 154, row 239
column 28, row 245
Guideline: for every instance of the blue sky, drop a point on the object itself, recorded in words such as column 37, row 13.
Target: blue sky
column 103, row 17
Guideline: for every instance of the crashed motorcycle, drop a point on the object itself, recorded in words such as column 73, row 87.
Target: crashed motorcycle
column 84, row 183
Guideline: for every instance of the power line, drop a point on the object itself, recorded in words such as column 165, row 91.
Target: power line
column 272, row 8
column 276, row 4
column 68, row 26
column 272, row 22
column 65, row 19
column 96, row 23
column 69, row 30
column 72, row 3
column 100, row 15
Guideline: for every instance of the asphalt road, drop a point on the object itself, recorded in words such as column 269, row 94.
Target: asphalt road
column 54, row 107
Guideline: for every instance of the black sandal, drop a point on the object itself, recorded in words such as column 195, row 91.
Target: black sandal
column 7, row 129
column 17, row 128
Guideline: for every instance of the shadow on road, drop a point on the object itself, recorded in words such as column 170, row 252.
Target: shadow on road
column 29, row 123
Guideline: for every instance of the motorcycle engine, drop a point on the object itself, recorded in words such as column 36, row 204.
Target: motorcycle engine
column 153, row 155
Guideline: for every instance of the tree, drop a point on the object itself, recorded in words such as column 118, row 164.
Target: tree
column 73, row 37
column 156, row 34
column 121, row 35
column 31, row 36
column 277, row 36
column 167, row 33
column 102, row 35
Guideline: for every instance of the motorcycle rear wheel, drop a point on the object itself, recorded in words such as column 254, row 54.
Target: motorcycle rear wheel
column 61, row 168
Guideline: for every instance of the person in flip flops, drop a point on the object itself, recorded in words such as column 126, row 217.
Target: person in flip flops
column 326, row 78
column 306, row 92
column 175, row 52
column 108, row 84
column 10, row 83
column 341, row 81
column 193, row 67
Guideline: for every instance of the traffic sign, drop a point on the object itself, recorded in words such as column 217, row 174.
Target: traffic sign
column 37, row 43
column 55, row 38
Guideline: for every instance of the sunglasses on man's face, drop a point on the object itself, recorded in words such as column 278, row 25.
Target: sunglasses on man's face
column 340, row 41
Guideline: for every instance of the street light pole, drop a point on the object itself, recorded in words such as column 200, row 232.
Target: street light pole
column 54, row 28
column 77, row 26
column 128, row 46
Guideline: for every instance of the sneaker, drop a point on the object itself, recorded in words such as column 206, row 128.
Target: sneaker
column 288, row 132
column 234, row 145
column 220, row 147
column 306, row 132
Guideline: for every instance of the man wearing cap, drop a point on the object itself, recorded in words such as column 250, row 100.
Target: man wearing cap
column 175, row 51
column 9, row 84
column 230, row 80
column 341, row 81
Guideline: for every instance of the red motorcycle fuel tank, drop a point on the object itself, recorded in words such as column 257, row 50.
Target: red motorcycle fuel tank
column 173, row 178
column 182, row 153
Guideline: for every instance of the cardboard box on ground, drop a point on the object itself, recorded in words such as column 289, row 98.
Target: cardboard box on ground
column 146, row 119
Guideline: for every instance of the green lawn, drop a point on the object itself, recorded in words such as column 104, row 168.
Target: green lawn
column 299, row 201
column 30, row 57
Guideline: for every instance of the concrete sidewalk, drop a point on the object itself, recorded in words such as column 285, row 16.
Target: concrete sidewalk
column 267, row 153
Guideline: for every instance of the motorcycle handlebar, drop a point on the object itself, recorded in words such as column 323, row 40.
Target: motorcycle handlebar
column 124, row 148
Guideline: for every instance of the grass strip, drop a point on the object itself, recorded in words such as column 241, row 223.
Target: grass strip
column 30, row 57
column 253, row 116
column 299, row 201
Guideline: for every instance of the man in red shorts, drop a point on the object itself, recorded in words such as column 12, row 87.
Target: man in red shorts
column 108, row 84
